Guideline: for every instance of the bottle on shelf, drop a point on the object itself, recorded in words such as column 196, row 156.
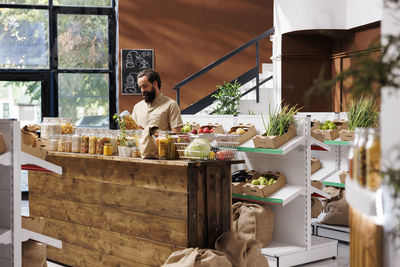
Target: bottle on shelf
column 360, row 166
column 162, row 145
column 85, row 142
column 170, row 147
column 92, row 142
column 373, row 158
column 76, row 142
column 353, row 155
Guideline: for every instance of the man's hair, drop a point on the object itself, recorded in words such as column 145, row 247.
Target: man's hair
column 151, row 75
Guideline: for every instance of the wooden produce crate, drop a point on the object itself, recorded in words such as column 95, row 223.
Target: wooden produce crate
column 341, row 124
column 217, row 126
column 237, row 188
column 328, row 134
column 265, row 190
column 315, row 165
column 130, row 212
column 262, row 141
column 346, row 135
column 250, row 132
column 317, row 184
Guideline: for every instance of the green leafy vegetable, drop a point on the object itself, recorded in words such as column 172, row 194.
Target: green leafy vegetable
column 279, row 121
column 362, row 113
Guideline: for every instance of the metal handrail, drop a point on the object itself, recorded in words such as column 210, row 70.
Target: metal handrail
column 223, row 59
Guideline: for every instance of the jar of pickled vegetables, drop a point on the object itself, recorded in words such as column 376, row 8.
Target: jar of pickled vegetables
column 84, row 143
column 361, row 165
column 170, row 147
column 162, row 145
column 92, row 142
column 373, row 158
column 101, row 141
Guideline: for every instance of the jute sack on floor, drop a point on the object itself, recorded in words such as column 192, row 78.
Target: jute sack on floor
column 337, row 212
column 33, row 254
column 316, row 207
column 241, row 252
column 194, row 257
column 252, row 221
column 148, row 144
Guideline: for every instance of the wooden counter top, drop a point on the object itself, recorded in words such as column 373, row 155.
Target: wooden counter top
column 184, row 163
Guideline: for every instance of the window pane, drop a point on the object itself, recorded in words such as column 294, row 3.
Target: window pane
column 84, row 98
column 83, row 2
column 21, row 100
column 82, row 41
column 24, row 39
column 28, row 2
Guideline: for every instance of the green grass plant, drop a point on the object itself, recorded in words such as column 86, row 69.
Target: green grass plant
column 279, row 120
column 362, row 113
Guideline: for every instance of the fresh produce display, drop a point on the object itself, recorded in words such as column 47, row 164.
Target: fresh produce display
column 224, row 155
column 241, row 176
column 206, row 129
column 265, row 180
column 279, row 121
column 187, row 128
column 362, row 113
column 328, row 125
column 239, row 131
column 198, row 148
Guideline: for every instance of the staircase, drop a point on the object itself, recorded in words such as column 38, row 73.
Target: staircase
column 257, row 90
column 248, row 103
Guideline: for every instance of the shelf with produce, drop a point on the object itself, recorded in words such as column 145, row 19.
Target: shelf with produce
column 337, row 142
column 27, row 234
column 281, row 197
column 5, row 236
column 29, row 160
column 283, row 150
column 318, row 145
column 334, row 180
column 361, row 198
column 5, row 159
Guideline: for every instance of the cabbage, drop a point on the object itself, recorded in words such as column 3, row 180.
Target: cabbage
column 199, row 148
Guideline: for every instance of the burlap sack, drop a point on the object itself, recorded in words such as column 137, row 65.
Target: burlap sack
column 148, row 144
column 33, row 254
column 316, row 207
column 240, row 252
column 252, row 221
column 3, row 147
column 194, row 257
column 337, row 212
column 29, row 135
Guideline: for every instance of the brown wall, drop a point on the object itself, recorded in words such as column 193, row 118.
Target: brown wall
column 188, row 35
column 308, row 54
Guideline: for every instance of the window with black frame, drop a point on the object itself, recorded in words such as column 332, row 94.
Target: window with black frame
column 71, row 46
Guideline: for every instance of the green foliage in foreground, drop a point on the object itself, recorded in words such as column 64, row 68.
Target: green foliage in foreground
column 279, row 121
column 362, row 113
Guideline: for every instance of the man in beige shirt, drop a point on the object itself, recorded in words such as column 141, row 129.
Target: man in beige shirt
column 155, row 108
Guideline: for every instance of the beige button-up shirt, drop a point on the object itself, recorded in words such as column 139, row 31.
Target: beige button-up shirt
column 164, row 112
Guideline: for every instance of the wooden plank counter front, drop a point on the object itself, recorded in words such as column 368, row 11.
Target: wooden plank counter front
column 113, row 211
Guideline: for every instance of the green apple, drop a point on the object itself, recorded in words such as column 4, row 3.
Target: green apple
column 255, row 182
column 264, row 182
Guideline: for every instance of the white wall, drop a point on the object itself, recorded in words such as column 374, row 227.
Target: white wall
column 295, row 15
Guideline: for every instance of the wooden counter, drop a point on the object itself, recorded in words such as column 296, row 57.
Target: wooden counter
column 113, row 211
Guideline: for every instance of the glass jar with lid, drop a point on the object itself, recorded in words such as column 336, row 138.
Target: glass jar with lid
column 61, row 143
column 68, row 143
column 53, row 142
column 76, row 141
column 113, row 141
column 92, row 141
column 373, row 158
column 352, row 154
column 49, row 127
column 162, row 144
column 360, row 167
column 107, row 149
column 102, row 139
column 85, row 142
column 170, row 147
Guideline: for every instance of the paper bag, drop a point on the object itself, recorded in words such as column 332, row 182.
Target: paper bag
column 148, row 144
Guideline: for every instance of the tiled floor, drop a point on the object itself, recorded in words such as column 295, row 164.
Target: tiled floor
column 342, row 260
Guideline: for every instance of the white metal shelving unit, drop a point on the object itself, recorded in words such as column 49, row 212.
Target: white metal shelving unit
column 293, row 242
column 11, row 231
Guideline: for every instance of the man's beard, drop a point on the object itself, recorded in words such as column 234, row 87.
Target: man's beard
column 149, row 96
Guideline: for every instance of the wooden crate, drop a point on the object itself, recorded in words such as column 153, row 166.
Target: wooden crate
column 111, row 211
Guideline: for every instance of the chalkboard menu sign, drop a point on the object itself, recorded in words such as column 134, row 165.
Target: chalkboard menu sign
column 132, row 62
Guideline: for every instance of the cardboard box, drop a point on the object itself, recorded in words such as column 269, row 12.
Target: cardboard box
column 217, row 126
column 33, row 253
column 35, row 224
column 265, row 190
column 346, row 135
column 250, row 132
column 317, row 184
column 328, row 134
column 315, row 124
column 237, row 188
column 3, row 147
column 315, row 165
column 37, row 151
column 342, row 177
column 316, row 207
column 261, row 141
column 341, row 124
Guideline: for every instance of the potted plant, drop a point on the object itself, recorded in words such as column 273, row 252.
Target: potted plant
column 122, row 140
column 279, row 130
column 228, row 99
column 362, row 113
